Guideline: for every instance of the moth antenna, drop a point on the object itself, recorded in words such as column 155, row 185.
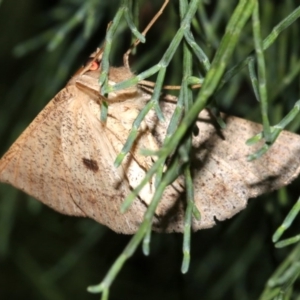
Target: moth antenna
column 137, row 41
column 97, row 55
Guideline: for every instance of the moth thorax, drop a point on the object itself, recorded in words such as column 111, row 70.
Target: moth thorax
column 117, row 75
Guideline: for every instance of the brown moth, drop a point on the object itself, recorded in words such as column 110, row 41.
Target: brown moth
column 65, row 159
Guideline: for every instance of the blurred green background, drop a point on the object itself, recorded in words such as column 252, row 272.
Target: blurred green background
column 45, row 255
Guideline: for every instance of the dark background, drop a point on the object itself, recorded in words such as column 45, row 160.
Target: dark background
column 45, row 255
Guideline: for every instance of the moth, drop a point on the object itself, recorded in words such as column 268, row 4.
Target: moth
column 65, row 158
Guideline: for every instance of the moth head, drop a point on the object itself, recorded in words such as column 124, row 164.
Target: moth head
column 92, row 68
column 86, row 78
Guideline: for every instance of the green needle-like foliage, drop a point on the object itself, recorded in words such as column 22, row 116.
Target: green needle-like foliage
column 245, row 54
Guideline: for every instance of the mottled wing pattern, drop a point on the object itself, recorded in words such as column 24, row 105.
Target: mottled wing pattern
column 35, row 163
column 223, row 178
column 89, row 149
column 65, row 159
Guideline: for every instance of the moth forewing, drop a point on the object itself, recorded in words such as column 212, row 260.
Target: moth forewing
column 65, row 159
column 223, row 177
column 35, row 162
